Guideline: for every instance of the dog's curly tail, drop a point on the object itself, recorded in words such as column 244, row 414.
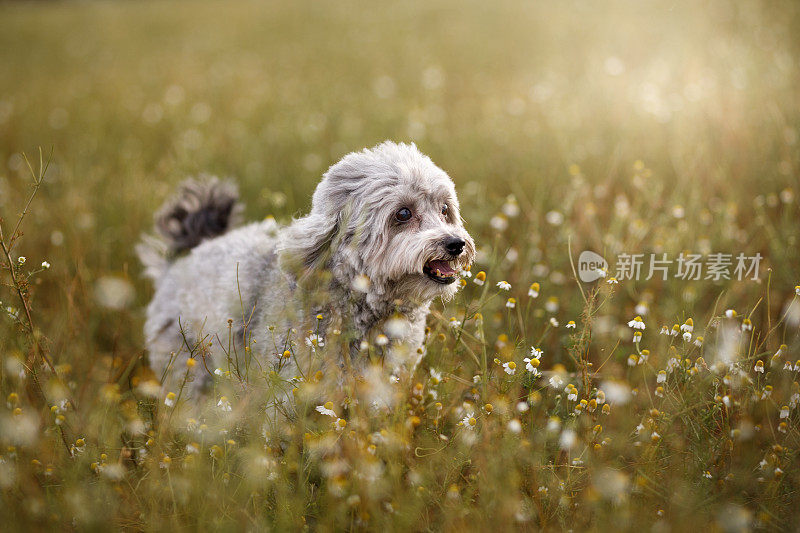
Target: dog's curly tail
column 202, row 209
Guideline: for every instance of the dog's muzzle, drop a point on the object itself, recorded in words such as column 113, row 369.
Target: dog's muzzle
column 441, row 270
column 445, row 270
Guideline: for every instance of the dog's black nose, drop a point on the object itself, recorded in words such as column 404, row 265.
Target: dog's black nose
column 454, row 245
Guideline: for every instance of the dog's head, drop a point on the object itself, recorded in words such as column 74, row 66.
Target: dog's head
column 390, row 214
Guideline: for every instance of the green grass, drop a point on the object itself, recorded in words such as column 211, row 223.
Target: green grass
column 649, row 128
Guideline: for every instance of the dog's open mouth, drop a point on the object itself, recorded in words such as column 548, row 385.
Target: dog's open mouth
column 440, row 270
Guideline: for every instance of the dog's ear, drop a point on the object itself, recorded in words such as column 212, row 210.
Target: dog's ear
column 306, row 243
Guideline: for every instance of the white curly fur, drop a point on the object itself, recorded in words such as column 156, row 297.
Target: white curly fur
column 263, row 275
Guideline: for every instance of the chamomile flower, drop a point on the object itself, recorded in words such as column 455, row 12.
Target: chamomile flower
column 675, row 330
column 45, row 265
column 747, row 325
column 381, row 340
column 533, row 291
column 21, row 259
column 510, row 368
column 633, row 360
column 315, row 341
column 551, row 305
column 504, row 285
column 339, row 424
column 612, row 281
column 572, row 392
column 662, row 376
column 514, row 426
column 499, row 222
column 511, row 303
column 687, row 337
column 698, row 341
column 730, row 313
column 637, row 336
column 601, row 397
column 759, row 367
column 784, row 412
column 637, row 323
column 571, row 325
column 224, row 405
column 169, row 401
column 797, row 290
column 465, row 273
column 787, row 366
column 326, row 409
column 469, row 421
column 553, row 322
column 454, row 323
column 480, row 278
column 556, row 382
column 531, row 365
column 664, row 330
column 79, row 446
column 688, row 326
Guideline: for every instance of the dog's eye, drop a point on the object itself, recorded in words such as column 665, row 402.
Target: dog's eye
column 403, row 215
column 445, row 210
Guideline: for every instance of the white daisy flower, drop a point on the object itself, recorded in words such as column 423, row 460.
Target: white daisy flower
column 510, row 368
column 533, row 291
column 224, row 405
column 326, row 409
column 469, row 421
column 531, row 365
column 637, row 323
column 315, row 341
column 504, row 285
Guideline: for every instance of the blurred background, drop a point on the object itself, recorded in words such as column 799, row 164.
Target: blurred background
column 624, row 126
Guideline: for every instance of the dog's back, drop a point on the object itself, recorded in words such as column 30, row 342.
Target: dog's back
column 204, row 272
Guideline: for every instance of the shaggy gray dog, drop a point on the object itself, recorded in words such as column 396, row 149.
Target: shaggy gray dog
column 384, row 238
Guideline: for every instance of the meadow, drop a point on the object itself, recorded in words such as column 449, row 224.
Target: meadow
column 617, row 127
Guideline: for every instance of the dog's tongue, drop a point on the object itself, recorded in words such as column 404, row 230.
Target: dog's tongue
column 441, row 268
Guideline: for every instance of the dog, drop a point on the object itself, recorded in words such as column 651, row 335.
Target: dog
column 383, row 239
